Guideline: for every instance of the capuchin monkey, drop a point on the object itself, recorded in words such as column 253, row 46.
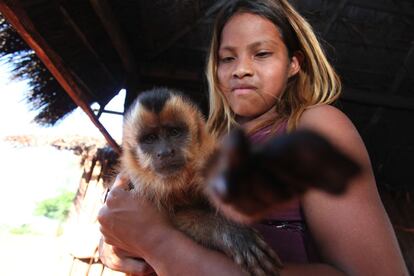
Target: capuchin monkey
column 172, row 160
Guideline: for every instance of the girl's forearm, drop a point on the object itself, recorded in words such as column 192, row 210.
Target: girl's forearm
column 179, row 255
column 310, row 270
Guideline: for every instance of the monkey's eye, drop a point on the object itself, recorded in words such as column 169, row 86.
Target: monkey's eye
column 174, row 132
column 149, row 138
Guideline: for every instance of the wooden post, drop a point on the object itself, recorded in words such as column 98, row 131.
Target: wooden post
column 398, row 80
column 86, row 42
column 114, row 31
column 380, row 100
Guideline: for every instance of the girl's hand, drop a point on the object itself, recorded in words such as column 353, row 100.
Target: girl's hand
column 130, row 225
column 119, row 260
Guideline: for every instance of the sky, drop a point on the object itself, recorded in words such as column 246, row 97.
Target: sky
column 16, row 117
column 32, row 174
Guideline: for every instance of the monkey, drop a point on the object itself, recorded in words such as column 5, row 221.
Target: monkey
column 166, row 153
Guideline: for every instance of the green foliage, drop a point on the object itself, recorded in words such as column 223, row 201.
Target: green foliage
column 56, row 207
column 23, row 229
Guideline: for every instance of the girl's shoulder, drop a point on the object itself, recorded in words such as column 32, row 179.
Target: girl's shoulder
column 334, row 125
column 321, row 114
column 329, row 121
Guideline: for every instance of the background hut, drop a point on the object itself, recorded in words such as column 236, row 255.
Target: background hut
column 75, row 53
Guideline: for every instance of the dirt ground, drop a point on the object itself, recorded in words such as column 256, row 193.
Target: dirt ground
column 33, row 255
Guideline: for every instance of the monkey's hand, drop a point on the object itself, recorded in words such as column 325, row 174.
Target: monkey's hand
column 241, row 243
column 249, row 250
column 252, row 179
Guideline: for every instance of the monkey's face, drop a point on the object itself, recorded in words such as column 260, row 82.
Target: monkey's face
column 164, row 145
column 162, row 134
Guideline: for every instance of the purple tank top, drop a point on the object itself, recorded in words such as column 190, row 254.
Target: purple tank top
column 284, row 229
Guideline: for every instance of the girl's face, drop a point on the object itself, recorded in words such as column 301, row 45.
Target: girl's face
column 253, row 65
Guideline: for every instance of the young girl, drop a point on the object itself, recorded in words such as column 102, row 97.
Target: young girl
column 268, row 74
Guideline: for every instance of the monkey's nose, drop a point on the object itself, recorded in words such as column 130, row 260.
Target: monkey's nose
column 165, row 153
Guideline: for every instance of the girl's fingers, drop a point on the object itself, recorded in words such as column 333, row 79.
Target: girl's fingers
column 117, row 191
column 121, row 181
column 116, row 259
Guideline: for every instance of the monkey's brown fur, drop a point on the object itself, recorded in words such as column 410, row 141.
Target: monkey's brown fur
column 182, row 193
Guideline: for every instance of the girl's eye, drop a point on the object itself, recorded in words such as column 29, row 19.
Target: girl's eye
column 226, row 59
column 174, row 132
column 263, row 54
column 149, row 138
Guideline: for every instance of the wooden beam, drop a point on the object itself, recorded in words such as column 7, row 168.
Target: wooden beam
column 331, row 20
column 399, row 78
column 113, row 29
column 212, row 10
column 86, row 42
column 403, row 70
column 100, row 111
column 383, row 6
column 168, row 71
column 17, row 17
column 376, row 99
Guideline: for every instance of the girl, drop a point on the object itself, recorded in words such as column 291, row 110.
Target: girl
column 268, row 74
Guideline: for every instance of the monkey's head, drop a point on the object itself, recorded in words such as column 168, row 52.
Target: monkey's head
column 164, row 136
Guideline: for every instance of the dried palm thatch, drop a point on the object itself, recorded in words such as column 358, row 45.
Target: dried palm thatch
column 45, row 95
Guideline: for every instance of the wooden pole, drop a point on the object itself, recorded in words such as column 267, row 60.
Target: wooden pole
column 120, row 43
column 377, row 99
column 213, row 9
column 394, row 88
column 331, row 20
column 112, row 27
column 86, row 42
column 17, row 17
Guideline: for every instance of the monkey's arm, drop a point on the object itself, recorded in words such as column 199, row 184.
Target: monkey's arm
column 253, row 178
column 241, row 243
column 139, row 228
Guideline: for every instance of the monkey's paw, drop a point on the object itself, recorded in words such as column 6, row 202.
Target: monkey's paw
column 251, row 252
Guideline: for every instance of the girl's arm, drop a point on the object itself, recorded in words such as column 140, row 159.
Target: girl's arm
column 352, row 231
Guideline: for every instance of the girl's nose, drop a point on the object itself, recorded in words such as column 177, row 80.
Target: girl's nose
column 243, row 69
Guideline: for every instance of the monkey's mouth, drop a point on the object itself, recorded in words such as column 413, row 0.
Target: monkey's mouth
column 170, row 168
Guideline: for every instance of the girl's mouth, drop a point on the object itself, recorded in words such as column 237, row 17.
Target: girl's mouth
column 243, row 89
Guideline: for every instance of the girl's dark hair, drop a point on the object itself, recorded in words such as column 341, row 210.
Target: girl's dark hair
column 267, row 9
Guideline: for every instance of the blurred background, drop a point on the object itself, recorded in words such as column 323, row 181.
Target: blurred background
column 42, row 169
column 76, row 64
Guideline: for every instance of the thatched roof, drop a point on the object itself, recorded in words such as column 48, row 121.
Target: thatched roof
column 94, row 48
